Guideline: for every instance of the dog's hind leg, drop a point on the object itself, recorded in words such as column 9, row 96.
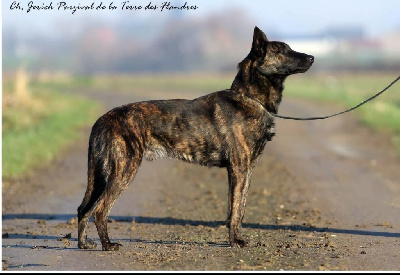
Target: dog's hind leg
column 122, row 163
column 239, row 180
column 112, row 165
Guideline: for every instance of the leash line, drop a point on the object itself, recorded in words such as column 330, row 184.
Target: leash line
column 346, row 111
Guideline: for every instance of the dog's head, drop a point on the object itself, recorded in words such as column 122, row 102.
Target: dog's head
column 277, row 58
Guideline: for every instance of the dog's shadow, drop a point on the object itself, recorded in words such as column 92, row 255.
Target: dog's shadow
column 183, row 222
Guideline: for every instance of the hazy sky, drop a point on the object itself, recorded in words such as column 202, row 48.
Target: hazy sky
column 310, row 16
column 286, row 16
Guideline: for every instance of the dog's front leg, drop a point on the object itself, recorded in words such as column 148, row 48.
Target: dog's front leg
column 239, row 181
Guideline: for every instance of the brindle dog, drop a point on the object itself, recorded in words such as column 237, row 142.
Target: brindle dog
column 227, row 129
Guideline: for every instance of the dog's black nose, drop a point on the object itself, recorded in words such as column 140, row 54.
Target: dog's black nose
column 311, row 58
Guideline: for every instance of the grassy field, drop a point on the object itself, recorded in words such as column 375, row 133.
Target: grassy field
column 38, row 124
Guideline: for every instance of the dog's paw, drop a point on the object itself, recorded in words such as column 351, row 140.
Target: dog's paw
column 89, row 244
column 239, row 242
column 111, row 247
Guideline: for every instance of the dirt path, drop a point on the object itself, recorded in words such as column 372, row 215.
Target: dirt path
column 324, row 196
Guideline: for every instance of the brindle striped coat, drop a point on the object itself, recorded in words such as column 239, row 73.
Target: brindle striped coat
column 227, row 129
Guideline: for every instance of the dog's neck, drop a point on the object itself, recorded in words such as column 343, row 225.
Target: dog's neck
column 266, row 90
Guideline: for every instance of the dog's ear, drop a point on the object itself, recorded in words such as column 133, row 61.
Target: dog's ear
column 259, row 42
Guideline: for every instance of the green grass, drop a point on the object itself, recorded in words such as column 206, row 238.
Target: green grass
column 35, row 131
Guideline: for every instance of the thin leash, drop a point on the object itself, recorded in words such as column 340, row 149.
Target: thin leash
column 349, row 110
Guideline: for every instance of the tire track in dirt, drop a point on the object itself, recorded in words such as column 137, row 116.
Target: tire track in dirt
column 324, row 196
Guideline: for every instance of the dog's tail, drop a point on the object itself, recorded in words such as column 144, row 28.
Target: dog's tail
column 96, row 182
column 96, row 185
